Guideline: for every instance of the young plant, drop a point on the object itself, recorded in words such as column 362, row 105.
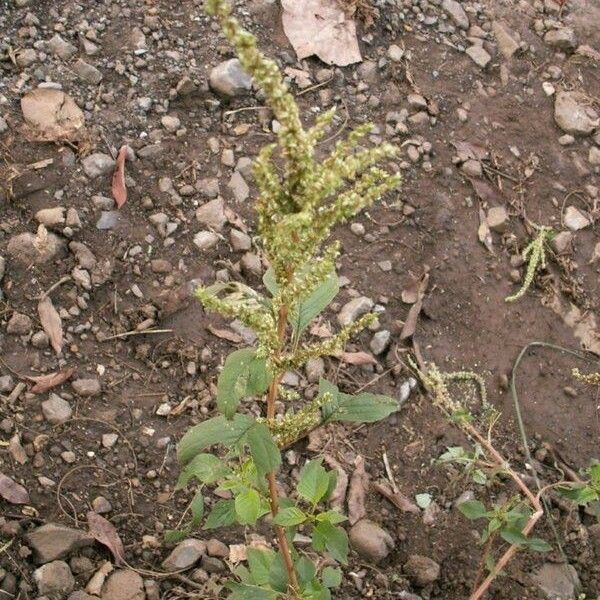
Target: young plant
column 301, row 198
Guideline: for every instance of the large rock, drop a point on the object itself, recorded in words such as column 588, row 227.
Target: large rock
column 185, row 555
column 124, row 585
column 51, row 542
column 558, row 581
column 229, row 78
column 563, row 38
column 573, row 115
column 54, row 579
column 371, row 541
column 212, row 214
column 421, row 570
column 27, row 248
column 456, row 12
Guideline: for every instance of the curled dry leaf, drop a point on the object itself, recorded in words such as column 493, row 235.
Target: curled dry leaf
column 104, row 532
column 11, row 491
column 238, row 553
column 359, row 483
column 225, row 334
column 16, row 450
column 358, row 358
column 410, row 325
column 52, row 323
column 119, row 189
column 43, row 383
column 338, row 496
column 398, row 499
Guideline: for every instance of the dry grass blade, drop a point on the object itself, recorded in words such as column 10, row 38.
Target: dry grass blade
column 119, row 189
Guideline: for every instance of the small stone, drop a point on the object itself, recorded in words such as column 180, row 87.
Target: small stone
column 81, row 564
column 109, row 439
column 185, row 86
column 559, row 581
column 51, row 542
column 417, row 101
column 185, row 555
column 60, row 47
column 594, row 156
column 161, row 265
column 573, row 115
column 395, row 53
column 566, row 140
column 54, row 579
column 227, row 157
column 229, row 79
column 98, row 164
column 3, row 125
column 354, row 309
column 217, row 548
column 357, row 229
column 380, row 342
column 575, row 220
column 478, row 55
column 251, row 264
column 370, row 540
column 6, row 383
column 19, row 324
column 87, row 72
column 205, row 240
column 562, row 242
column 56, row 410
column 84, row 256
column 82, row 278
column 212, row 564
column 562, row 38
column 72, row 219
column 240, row 241
column 26, row 57
column 421, row 570
column 238, row 186
column 315, row 369
column 497, row 218
column 472, row 168
column 108, row 220
column 124, row 585
column 212, row 214
column 505, row 37
column 208, row 187
column 456, row 12
column 101, row 505
column 86, row 387
column 171, row 123
column 40, row 339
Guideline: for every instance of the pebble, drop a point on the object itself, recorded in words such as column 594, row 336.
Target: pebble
column 124, row 585
column 238, row 186
column 109, row 439
column 421, row 570
column 507, row 44
column 380, row 341
column 594, row 156
column 354, row 309
column 205, row 240
column 171, row 123
column 456, row 12
column 19, row 324
column 395, row 53
column 562, row 242
column 315, row 369
column 562, row 38
column 212, row 214
column 54, row 579
column 229, row 79
column 575, row 220
column 101, row 505
column 56, row 410
column 240, row 241
column 572, row 114
column 87, row 72
column 86, row 387
column 98, row 164
column 217, row 548
column 559, row 581
column 60, row 47
column 108, row 220
column 370, row 540
column 497, row 219
column 27, row 248
column 479, row 55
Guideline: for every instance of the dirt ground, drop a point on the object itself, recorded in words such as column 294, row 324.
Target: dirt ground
column 473, row 138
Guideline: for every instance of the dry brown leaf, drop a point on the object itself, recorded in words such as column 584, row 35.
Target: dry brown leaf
column 225, row 334
column 105, row 533
column 398, row 499
column 119, row 189
column 51, row 322
column 16, row 450
column 338, row 496
column 43, row 383
column 11, row 491
column 321, row 27
column 468, row 150
column 358, row 358
column 52, row 115
column 357, row 493
column 234, row 219
column 410, row 325
column 318, row 438
column 483, row 232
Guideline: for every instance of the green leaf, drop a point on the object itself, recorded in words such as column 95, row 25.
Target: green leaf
column 333, row 539
column 472, row 509
column 247, row 506
column 331, row 516
column 222, row 514
column 206, row 468
column 243, row 591
column 259, row 563
column 316, row 303
column 197, row 509
column 514, row 536
column 305, row 570
column 582, row 494
column 218, row 430
column 314, row 481
column 270, row 281
column 479, row 477
column 538, row 545
column 288, row 517
column 264, row 450
column 278, row 578
column 331, row 577
column 361, row 408
column 244, row 374
column 423, row 500
column 172, row 536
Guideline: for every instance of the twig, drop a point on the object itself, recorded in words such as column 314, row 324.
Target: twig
column 54, row 286
column 388, row 471
column 135, row 332
column 314, row 87
column 228, row 113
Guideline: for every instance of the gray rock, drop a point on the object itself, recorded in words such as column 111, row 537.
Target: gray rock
column 212, row 564
column 185, row 86
column 3, row 125
column 27, row 248
column 185, row 555
column 562, row 39
column 81, row 564
column 240, row 241
column 505, row 37
column 479, row 55
column 61, row 48
column 205, row 240
column 421, row 570
column 244, row 166
column 497, row 218
column 40, row 339
column 6, row 383
column 370, row 540
column 251, row 264
column 472, row 168
column 84, row 256
column 51, row 217
column 557, row 581
column 108, row 220
column 19, row 324
column 572, row 114
column 229, row 78
column 82, row 278
column 124, row 585
column 98, row 164
column 2, row 267
column 354, row 309
column 395, row 53
column 87, row 387
column 368, row 71
column 238, row 186
column 594, row 156
column 56, row 410
column 575, row 220
column 456, row 12
column 101, row 505
column 54, row 579
column 212, row 214
column 171, row 123
column 380, row 342
column 161, row 265
column 87, row 72
column 51, row 542
column 208, row 187
column 81, row 595
column 26, row 57
column 217, row 548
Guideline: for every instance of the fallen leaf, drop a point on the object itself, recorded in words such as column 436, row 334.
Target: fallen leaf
column 483, row 232
column 16, row 450
column 398, row 499
column 410, row 325
column 358, row 358
column 51, row 322
column 105, row 533
column 234, row 219
column 317, row 438
column 486, row 192
column 225, row 334
column 584, row 325
column 119, row 189
column 338, row 496
column 359, row 483
column 52, row 115
column 11, row 491
column 467, row 151
column 321, row 27
column 43, row 383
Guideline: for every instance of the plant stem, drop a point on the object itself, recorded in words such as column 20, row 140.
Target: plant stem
column 282, row 541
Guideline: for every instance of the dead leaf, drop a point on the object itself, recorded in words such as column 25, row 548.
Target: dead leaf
column 52, row 115
column 119, row 189
column 318, row 438
column 321, row 27
column 398, row 499
column 485, row 192
column 410, row 325
column 43, row 383
column 51, row 322
column 466, row 151
column 357, row 358
column 483, row 232
column 235, row 220
column 359, row 484
column 16, row 449
column 584, row 325
column 11, row 491
column 338, row 496
column 225, row 334
column 105, row 533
